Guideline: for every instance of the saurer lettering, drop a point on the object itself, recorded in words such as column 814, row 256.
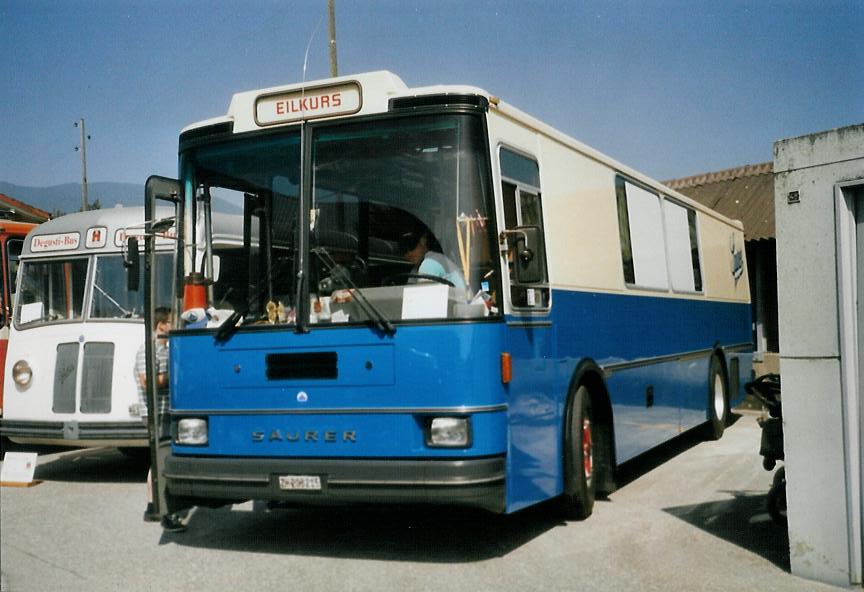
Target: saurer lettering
column 310, row 436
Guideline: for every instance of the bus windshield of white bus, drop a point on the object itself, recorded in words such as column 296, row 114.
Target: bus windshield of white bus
column 54, row 290
column 400, row 216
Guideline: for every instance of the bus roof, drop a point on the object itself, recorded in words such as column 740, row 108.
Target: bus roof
column 106, row 230
column 370, row 93
column 82, row 232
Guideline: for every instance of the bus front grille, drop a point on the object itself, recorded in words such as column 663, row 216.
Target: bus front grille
column 96, row 375
column 97, row 370
column 65, row 378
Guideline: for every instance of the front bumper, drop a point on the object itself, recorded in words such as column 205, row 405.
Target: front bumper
column 476, row 483
column 75, row 433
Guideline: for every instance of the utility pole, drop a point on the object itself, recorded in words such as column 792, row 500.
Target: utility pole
column 83, row 150
column 331, row 13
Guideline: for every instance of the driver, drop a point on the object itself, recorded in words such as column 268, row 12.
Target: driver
column 419, row 247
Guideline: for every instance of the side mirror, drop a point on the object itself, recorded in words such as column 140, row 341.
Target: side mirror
column 132, row 263
column 217, row 265
column 529, row 255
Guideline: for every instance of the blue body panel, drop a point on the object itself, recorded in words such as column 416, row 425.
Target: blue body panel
column 388, row 386
column 384, row 389
column 616, row 329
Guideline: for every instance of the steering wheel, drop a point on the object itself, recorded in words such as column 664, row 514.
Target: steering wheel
column 390, row 280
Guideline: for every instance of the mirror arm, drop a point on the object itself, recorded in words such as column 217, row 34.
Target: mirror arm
column 502, row 237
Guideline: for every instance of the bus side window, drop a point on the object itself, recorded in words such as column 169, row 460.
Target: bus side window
column 682, row 244
column 12, row 253
column 659, row 240
column 643, row 250
column 520, row 191
column 14, row 246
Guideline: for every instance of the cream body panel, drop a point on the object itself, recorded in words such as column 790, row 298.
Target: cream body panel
column 38, row 346
column 579, row 213
column 581, row 220
column 718, row 241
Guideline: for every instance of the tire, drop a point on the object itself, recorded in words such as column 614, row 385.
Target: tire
column 776, row 500
column 718, row 400
column 579, row 466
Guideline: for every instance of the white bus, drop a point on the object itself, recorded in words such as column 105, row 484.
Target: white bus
column 70, row 378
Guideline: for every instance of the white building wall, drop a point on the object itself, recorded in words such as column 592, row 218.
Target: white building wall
column 823, row 448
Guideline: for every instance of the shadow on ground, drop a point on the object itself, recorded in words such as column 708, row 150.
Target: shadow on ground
column 7, row 445
column 92, row 465
column 419, row 534
column 648, row 461
column 742, row 520
column 402, row 533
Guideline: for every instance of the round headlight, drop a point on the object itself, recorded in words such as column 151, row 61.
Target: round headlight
column 22, row 373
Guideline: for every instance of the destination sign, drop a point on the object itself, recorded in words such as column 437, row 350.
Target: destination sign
column 65, row 241
column 123, row 234
column 310, row 103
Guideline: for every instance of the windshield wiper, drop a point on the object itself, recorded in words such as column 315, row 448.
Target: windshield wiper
column 229, row 326
column 340, row 274
column 126, row 313
column 382, row 323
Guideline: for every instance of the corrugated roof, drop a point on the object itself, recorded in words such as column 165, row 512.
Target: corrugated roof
column 743, row 193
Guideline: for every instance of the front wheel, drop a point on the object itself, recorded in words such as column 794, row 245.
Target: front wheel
column 579, row 469
column 718, row 400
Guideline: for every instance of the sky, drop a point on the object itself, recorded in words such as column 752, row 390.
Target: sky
column 670, row 88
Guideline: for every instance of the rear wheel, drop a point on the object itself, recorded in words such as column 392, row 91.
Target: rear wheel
column 579, row 467
column 718, row 400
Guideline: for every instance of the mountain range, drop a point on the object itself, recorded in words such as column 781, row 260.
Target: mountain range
column 66, row 198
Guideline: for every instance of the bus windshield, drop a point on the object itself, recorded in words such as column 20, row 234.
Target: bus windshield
column 51, row 291
column 111, row 300
column 399, row 217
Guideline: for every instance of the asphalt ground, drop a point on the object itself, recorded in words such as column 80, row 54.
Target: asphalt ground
column 687, row 516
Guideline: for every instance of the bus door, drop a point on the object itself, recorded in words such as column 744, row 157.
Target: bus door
column 534, row 444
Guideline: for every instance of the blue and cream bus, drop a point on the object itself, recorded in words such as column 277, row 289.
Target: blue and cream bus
column 441, row 300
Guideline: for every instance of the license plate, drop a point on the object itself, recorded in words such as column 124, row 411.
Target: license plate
column 300, row 482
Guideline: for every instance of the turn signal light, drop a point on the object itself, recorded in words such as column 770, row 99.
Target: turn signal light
column 506, row 368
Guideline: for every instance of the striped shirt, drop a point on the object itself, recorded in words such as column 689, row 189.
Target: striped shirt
column 141, row 369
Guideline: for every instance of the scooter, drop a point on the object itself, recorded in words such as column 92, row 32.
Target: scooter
column 766, row 389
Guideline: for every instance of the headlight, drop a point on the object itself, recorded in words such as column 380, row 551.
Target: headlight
column 22, row 373
column 192, row 431
column 449, row 432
